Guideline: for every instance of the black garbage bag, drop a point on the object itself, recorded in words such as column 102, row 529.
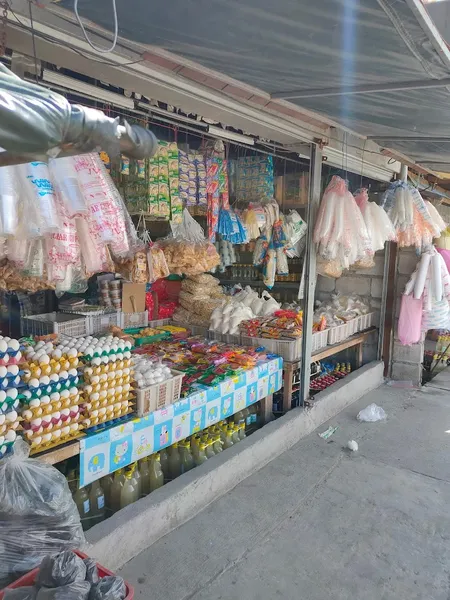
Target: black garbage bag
column 38, row 516
column 23, row 593
column 74, row 591
column 62, row 569
column 91, row 570
column 108, row 588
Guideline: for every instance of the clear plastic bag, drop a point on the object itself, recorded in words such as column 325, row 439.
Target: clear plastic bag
column 371, row 413
column 91, row 570
column 23, row 593
column 9, row 201
column 39, row 189
column 67, row 186
column 37, row 514
column 109, row 588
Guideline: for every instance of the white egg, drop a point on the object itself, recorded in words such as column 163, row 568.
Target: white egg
column 35, row 403
column 36, row 423
column 73, row 391
column 37, row 441
column 12, row 393
column 13, row 370
column 73, row 372
column 56, row 434
column 44, row 359
column 63, row 375
column 3, row 371
column 56, row 354
column 46, row 438
column 26, row 414
column 65, row 394
column 10, row 436
column 33, row 383
column 65, row 430
column 75, row 426
column 45, row 400
column 96, row 361
column 44, row 380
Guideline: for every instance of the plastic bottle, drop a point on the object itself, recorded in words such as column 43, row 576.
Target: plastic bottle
column 106, row 483
column 116, row 490
column 156, row 473
column 174, row 461
column 164, row 457
column 144, row 470
column 129, row 492
column 228, row 440
column 241, row 431
column 97, row 501
column 201, row 456
column 187, row 460
column 72, row 481
column 137, row 478
column 239, row 417
column 81, row 499
column 209, row 450
column 234, row 433
column 217, row 444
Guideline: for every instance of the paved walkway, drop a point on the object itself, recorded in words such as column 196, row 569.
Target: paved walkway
column 321, row 522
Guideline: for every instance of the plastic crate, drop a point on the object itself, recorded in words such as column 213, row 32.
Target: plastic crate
column 366, row 321
column 228, row 338
column 289, row 350
column 138, row 319
column 30, row 578
column 99, row 319
column 55, row 322
column 159, row 322
column 342, row 332
column 148, row 339
column 159, row 395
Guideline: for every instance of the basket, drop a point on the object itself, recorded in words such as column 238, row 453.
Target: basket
column 228, row 338
column 99, row 319
column 30, row 578
column 366, row 321
column 148, row 339
column 159, row 395
column 61, row 323
column 289, row 350
column 137, row 319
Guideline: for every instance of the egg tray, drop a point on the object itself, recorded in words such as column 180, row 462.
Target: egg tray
column 104, row 425
column 35, row 409
column 52, row 445
column 6, row 448
column 97, row 369
column 48, row 369
column 51, row 388
column 9, row 404
column 88, row 357
column 57, row 428
column 103, row 387
column 8, row 426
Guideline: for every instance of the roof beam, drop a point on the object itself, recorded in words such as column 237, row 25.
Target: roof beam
column 373, row 88
column 412, row 138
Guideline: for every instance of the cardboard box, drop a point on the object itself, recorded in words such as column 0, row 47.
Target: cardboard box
column 133, row 297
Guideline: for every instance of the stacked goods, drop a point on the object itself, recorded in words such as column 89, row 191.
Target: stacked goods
column 340, row 310
column 164, row 198
column 283, row 324
column 111, row 294
column 10, row 380
column 107, row 380
column 50, row 403
column 199, row 296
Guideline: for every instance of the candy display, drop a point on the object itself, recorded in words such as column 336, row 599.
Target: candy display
column 254, row 177
column 283, row 324
column 50, row 406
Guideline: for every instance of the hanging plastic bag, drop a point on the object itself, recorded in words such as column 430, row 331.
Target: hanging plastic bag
column 260, row 251
column 67, row 186
column 410, row 320
column 9, row 201
column 39, row 189
column 42, row 521
column 282, row 262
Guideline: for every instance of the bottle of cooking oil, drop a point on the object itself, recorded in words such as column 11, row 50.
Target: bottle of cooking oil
column 241, row 431
column 116, row 490
column 228, row 440
column 72, row 480
column 156, row 473
column 97, row 502
column 144, row 470
column 239, row 417
column 81, row 499
column 234, row 433
column 106, row 483
column 209, row 450
column 187, row 460
column 129, row 492
column 217, row 443
column 137, row 478
column 174, row 461
column 201, row 456
column 164, row 457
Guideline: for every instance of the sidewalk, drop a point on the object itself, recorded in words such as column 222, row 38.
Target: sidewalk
column 320, row 522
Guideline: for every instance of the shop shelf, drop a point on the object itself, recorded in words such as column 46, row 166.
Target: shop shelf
column 159, row 395
column 30, row 578
column 61, row 323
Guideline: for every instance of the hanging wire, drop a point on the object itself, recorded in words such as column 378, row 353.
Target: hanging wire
column 86, row 37
column 33, row 38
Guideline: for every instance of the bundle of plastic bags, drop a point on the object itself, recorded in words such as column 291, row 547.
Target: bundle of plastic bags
column 415, row 222
column 340, row 232
column 429, row 284
column 379, row 227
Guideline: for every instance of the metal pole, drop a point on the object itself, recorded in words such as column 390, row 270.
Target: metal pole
column 388, row 295
column 315, row 174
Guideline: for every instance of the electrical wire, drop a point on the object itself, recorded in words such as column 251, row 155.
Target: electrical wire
column 116, row 29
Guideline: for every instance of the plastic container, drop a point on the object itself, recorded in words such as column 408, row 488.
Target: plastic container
column 289, row 350
column 342, row 332
column 228, row 338
column 159, row 395
column 30, row 578
column 138, row 319
column 366, row 321
column 99, row 319
column 63, row 323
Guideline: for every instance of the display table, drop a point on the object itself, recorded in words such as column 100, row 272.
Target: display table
column 355, row 341
column 120, row 446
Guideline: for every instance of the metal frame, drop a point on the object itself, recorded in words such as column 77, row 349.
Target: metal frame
column 315, row 180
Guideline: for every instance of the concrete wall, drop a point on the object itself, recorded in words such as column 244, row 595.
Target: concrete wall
column 368, row 283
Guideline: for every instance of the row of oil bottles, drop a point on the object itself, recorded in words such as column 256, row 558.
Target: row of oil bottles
column 123, row 487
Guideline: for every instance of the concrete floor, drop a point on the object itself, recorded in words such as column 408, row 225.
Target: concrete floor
column 321, row 522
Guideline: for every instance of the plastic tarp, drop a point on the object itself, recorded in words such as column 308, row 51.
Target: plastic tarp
column 291, row 45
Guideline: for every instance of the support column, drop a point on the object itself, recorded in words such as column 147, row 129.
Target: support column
column 315, row 174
